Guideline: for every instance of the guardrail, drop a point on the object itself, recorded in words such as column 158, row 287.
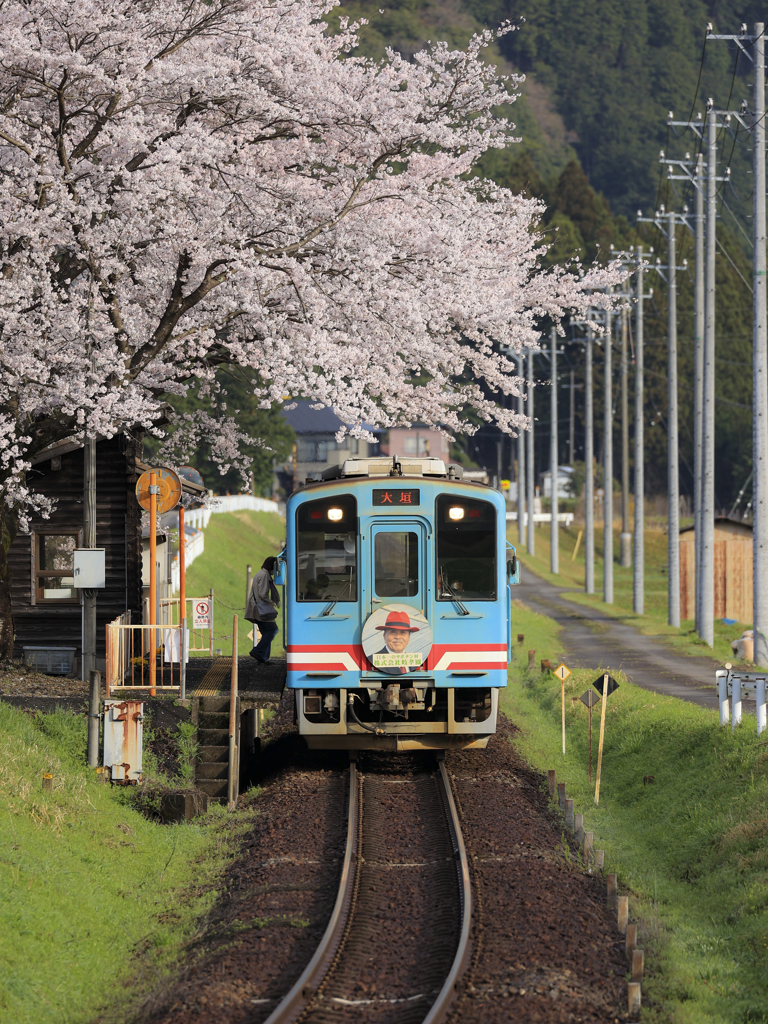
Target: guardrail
column 200, row 517
column 137, row 659
column 200, row 638
column 735, row 684
column 542, row 517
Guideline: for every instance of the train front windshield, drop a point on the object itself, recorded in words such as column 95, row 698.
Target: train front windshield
column 327, row 550
column 466, row 549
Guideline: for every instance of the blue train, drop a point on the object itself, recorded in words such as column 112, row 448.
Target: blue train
column 397, row 583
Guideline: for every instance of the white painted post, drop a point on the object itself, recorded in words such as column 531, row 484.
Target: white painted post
column 760, row 710
column 722, row 696
column 736, row 702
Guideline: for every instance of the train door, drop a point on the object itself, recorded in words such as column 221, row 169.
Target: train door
column 398, row 577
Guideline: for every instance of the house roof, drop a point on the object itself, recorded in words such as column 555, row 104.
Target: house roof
column 722, row 521
column 306, row 420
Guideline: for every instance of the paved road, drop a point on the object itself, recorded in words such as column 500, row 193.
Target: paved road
column 589, row 638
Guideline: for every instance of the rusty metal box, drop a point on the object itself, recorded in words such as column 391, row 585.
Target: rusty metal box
column 123, row 739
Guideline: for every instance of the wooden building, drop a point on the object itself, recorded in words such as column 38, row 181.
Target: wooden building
column 733, row 571
column 46, row 606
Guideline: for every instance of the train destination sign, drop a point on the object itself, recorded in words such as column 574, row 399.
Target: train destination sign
column 393, row 496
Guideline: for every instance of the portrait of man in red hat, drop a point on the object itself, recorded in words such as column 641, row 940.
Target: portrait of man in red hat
column 397, row 632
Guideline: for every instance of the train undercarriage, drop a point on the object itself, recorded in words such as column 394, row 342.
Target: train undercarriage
column 392, row 716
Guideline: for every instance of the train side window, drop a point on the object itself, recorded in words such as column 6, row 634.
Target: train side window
column 326, row 549
column 396, row 564
column 466, row 549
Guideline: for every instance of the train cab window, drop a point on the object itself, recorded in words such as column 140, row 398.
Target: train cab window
column 466, row 549
column 396, row 564
column 326, row 549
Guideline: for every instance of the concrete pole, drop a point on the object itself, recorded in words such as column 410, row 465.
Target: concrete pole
column 589, row 470
column 94, row 719
column 530, row 488
column 707, row 553
column 638, row 581
column 608, row 466
column 554, row 536
column 698, row 377
column 572, row 420
column 88, row 660
column 521, row 460
column 759, row 371
column 625, row 558
column 673, row 478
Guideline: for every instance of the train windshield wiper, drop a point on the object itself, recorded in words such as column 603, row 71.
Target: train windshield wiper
column 447, row 586
column 347, row 587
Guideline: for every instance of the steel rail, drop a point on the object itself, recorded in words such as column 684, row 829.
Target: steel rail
column 303, row 991
column 441, row 1006
column 291, row 1007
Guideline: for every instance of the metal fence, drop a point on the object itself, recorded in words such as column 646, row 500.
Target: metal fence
column 144, row 657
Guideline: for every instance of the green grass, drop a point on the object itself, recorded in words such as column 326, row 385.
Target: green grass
column 234, row 540
column 691, row 848
column 96, row 901
column 654, row 622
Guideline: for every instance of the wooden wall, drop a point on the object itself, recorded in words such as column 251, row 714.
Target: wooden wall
column 118, row 531
column 733, row 580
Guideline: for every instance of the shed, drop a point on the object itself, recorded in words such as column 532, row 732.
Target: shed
column 46, row 606
column 732, row 573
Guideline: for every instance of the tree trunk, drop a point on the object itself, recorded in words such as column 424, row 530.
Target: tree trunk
column 9, row 527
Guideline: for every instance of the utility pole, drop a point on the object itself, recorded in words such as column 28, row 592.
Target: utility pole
column 89, row 540
column 571, row 419
column 707, row 553
column 529, row 462
column 673, row 472
column 625, row 541
column 698, row 378
column 521, row 458
column 638, row 582
column 759, row 369
column 608, row 466
column 667, row 223
column 554, row 552
column 589, row 483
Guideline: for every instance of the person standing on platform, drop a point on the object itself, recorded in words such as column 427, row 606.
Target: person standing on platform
column 263, row 602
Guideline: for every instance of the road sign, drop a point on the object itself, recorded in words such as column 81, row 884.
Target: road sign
column 168, row 490
column 590, row 698
column 612, row 685
column 201, row 614
column 562, row 672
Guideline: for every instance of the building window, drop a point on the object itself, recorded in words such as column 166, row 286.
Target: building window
column 314, row 451
column 54, row 567
column 416, row 445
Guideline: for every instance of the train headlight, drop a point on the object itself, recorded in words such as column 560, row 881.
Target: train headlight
column 335, row 514
column 456, row 513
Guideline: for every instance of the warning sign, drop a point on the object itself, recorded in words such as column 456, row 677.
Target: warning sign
column 201, row 614
column 562, row 672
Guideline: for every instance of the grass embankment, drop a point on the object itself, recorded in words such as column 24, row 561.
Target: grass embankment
column 234, row 540
column 96, row 901
column 692, row 846
column 654, row 621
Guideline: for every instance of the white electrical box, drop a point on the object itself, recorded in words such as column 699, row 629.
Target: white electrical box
column 90, row 568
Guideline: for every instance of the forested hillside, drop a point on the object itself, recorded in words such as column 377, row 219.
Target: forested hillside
column 601, row 76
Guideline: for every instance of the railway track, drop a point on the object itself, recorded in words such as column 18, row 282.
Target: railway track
column 398, row 939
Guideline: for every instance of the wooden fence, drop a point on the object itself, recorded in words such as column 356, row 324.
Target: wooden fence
column 733, row 580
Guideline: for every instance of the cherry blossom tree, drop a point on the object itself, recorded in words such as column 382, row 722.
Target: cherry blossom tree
column 190, row 184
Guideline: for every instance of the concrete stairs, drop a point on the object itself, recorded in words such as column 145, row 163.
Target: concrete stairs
column 212, row 768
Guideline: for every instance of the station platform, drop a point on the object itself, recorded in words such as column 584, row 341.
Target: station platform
column 259, row 686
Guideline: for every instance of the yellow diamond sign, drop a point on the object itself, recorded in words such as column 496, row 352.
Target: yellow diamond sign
column 562, row 672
